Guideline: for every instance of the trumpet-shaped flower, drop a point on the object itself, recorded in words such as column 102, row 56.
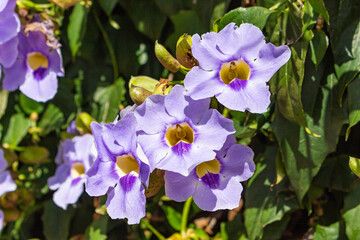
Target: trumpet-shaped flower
column 74, row 158
column 177, row 133
column 120, row 170
column 7, row 184
column 214, row 184
column 36, row 68
column 234, row 66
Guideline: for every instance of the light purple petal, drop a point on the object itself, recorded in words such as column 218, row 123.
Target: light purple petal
column 226, row 196
column 101, row 176
column 254, row 97
column 127, row 200
column 69, row 192
column 269, row 61
column 61, row 174
column 14, row 76
column 154, row 148
column 56, row 63
column 40, row 90
column 152, row 116
column 7, row 184
column 9, row 26
column 239, row 162
column 9, row 52
column 3, row 162
column 230, row 140
column 128, row 109
column 175, row 103
column 82, row 147
column 202, row 84
column 178, row 187
column 7, row 6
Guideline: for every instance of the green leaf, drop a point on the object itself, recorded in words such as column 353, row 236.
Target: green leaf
column 29, row 105
column 146, row 16
column 34, row 155
column 17, row 130
column 52, row 119
column 97, row 229
column 108, row 100
column 173, row 217
column 254, row 15
column 327, row 232
column 303, row 153
column 320, row 8
column 354, row 164
column 318, row 46
column 347, row 56
column 351, row 213
column 295, row 24
column 3, row 101
column 56, row 221
column 353, row 104
column 77, row 27
column 266, row 203
column 108, row 5
column 335, row 174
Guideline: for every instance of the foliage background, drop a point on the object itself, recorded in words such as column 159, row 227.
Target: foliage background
column 303, row 186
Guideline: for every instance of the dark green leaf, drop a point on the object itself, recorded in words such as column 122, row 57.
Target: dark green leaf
column 173, row 217
column 29, row 105
column 351, row 213
column 320, row 8
column 184, row 22
column 17, row 130
column 303, row 153
column 109, row 100
column 97, row 229
column 353, row 104
column 77, row 26
column 107, row 5
column 52, row 119
column 56, row 221
column 266, row 203
column 254, row 15
column 327, row 232
column 295, row 24
column 318, row 45
column 147, row 17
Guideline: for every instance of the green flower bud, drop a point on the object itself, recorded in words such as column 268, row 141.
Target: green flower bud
column 163, row 88
column 165, row 58
column 354, row 164
column 10, row 199
column 141, row 87
column 183, row 52
column 11, row 214
column 82, row 122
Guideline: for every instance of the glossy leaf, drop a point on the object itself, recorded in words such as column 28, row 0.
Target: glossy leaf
column 173, row 217
column 318, row 46
column 3, row 102
column 34, row 155
column 327, row 232
column 17, row 130
column 108, row 5
column 254, row 15
column 353, row 104
column 29, row 105
column 51, row 120
column 320, row 8
column 351, row 213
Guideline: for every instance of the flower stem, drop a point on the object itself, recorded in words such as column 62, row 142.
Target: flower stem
column 108, row 44
column 152, row 229
column 184, row 218
column 176, row 82
column 277, row 5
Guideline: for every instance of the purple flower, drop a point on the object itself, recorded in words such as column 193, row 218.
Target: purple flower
column 7, row 184
column 120, row 169
column 36, row 68
column 234, row 66
column 9, row 28
column 178, row 133
column 9, row 21
column 214, row 184
column 74, row 158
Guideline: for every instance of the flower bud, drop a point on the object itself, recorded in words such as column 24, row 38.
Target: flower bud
column 65, row 3
column 82, row 122
column 9, row 199
column 165, row 58
column 141, row 87
column 183, row 52
column 11, row 214
column 163, row 87
column 354, row 164
column 156, row 182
